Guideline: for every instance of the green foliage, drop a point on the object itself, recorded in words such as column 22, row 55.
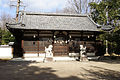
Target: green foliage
column 104, row 13
column 6, row 37
column 116, row 39
column 112, row 7
column 98, row 13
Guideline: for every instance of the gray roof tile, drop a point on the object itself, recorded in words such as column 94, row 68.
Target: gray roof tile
column 53, row 21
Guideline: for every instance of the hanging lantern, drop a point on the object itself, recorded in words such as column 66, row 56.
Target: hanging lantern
column 34, row 36
column 88, row 36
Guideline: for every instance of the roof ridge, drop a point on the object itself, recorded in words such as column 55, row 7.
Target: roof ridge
column 55, row 14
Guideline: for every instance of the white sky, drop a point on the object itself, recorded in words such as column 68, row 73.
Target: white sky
column 0, row 2
column 33, row 5
column 44, row 5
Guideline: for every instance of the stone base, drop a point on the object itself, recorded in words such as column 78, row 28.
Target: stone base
column 64, row 58
column 48, row 59
column 84, row 59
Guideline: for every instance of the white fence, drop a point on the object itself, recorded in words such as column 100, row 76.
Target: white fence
column 6, row 52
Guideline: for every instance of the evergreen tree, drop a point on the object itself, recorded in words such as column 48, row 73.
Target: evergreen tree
column 107, row 12
column 6, row 37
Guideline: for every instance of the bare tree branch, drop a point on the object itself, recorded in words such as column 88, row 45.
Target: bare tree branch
column 79, row 6
column 4, row 18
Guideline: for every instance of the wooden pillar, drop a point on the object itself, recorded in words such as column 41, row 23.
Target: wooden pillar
column 22, row 37
column 68, row 42
column 22, row 46
column 81, row 36
column 67, row 36
column 53, row 43
column 95, row 42
column 38, row 42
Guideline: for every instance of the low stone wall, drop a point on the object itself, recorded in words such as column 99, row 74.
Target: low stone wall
column 77, row 54
column 6, row 52
column 30, row 55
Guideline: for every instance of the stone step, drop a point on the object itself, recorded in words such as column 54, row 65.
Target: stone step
column 93, row 58
column 84, row 59
column 48, row 59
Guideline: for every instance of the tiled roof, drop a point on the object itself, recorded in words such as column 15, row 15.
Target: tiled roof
column 55, row 21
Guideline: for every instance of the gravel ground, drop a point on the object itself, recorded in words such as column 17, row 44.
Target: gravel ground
column 69, row 70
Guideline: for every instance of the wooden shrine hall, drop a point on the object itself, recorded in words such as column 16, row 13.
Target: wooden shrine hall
column 65, row 32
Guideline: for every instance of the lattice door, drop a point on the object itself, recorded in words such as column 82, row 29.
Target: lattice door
column 60, row 49
column 36, row 46
column 30, row 46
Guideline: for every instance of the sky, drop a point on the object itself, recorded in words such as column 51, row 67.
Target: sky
column 32, row 5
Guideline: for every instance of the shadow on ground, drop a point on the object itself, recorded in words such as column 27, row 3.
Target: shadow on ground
column 21, row 70
column 110, row 61
column 98, row 73
column 17, row 70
